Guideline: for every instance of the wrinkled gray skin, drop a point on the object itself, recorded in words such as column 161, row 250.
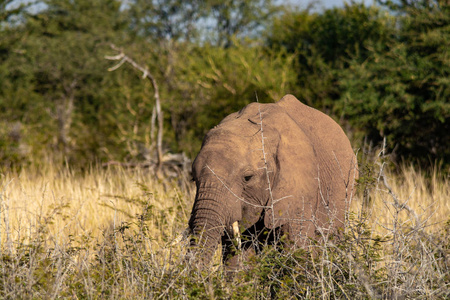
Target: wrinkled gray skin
column 311, row 171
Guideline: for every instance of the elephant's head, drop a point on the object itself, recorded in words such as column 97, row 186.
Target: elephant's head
column 266, row 163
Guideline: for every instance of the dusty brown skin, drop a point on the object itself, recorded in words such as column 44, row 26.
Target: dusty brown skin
column 312, row 169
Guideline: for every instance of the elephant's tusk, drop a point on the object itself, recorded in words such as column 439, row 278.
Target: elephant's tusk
column 237, row 234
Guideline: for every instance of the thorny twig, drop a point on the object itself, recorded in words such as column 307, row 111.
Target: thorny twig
column 263, row 149
column 397, row 204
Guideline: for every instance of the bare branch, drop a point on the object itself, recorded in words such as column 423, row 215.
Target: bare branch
column 145, row 74
column 115, row 57
column 116, row 66
column 397, row 204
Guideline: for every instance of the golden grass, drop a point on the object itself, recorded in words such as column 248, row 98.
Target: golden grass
column 428, row 198
column 74, row 204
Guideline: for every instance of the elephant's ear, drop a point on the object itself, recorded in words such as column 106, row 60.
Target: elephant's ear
column 295, row 184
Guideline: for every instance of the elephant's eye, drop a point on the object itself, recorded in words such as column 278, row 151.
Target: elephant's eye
column 248, row 178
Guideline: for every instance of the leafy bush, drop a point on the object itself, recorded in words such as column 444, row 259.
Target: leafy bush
column 402, row 94
column 386, row 74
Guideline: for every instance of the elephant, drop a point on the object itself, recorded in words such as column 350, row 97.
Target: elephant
column 274, row 173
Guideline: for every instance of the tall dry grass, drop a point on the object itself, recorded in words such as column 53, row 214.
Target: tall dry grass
column 86, row 203
column 425, row 196
column 72, row 203
column 109, row 233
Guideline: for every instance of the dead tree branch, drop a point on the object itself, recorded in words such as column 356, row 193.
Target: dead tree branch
column 122, row 58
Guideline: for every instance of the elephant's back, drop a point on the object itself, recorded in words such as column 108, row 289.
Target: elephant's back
column 337, row 161
column 322, row 130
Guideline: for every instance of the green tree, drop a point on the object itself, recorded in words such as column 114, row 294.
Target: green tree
column 227, row 79
column 385, row 71
column 212, row 21
column 238, row 18
column 168, row 20
column 325, row 43
column 403, row 94
column 53, row 75
column 56, row 90
column 200, row 89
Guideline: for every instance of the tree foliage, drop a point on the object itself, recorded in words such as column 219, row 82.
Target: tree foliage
column 382, row 73
column 326, row 43
column 402, row 94
column 386, row 74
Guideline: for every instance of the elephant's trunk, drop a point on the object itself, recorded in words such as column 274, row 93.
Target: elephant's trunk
column 207, row 223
